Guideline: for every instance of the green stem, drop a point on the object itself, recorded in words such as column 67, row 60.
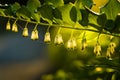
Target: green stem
column 15, row 20
column 63, row 26
column 36, row 26
column 48, row 28
column 59, row 30
column 72, row 34
column 98, row 38
column 26, row 24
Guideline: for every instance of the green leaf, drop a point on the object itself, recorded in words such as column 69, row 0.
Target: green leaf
column 85, row 19
column 101, row 20
column 46, row 13
column 55, row 3
column 87, row 3
column 109, row 25
column 36, row 17
column 73, row 14
column 93, row 19
column 8, row 11
column 32, row 5
column 117, row 25
column 78, row 4
column 68, row 13
column 111, row 9
column 2, row 12
column 57, row 16
column 24, row 13
column 15, row 7
column 12, row 9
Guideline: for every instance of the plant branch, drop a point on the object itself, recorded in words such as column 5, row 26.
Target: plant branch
column 62, row 26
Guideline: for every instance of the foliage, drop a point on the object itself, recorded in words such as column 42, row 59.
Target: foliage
column 55, row 11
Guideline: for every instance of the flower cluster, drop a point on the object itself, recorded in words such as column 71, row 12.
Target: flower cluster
column 14, row 26
column 58, row 40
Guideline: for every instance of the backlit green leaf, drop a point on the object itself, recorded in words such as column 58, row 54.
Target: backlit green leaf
column 117, row 25
column 57, row 16
column 2, row 12
column 36, row 17
column 33, row 4
column 46, row 13
column 111, row 9
column 101, row 20
column 15, row 7
column 23, row 12
column 55, row 3
column 87, row 3
column 68, row 13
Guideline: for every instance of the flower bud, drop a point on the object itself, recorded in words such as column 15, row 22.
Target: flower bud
column 58, row 39
column 25, row 32
column 8, row 26
column 47, row 38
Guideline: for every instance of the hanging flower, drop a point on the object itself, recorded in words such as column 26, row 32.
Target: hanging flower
column 14, row 27
column 108, row 54
column 110, row 49
column 8, row 26
column 58, row 39
column 34, row 35
column 71, row 44
column 47, row 38
column 74, row 43
column 97, row 49
column 25, row 32
column 84, row 43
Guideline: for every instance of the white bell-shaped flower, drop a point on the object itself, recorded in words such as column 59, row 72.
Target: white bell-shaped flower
column 47, row 38
column 58, row 39
column 97, row 49
column 14, row 27
column 34, row 35
column 25, row 32
column 8, row 26
column 71, row 44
